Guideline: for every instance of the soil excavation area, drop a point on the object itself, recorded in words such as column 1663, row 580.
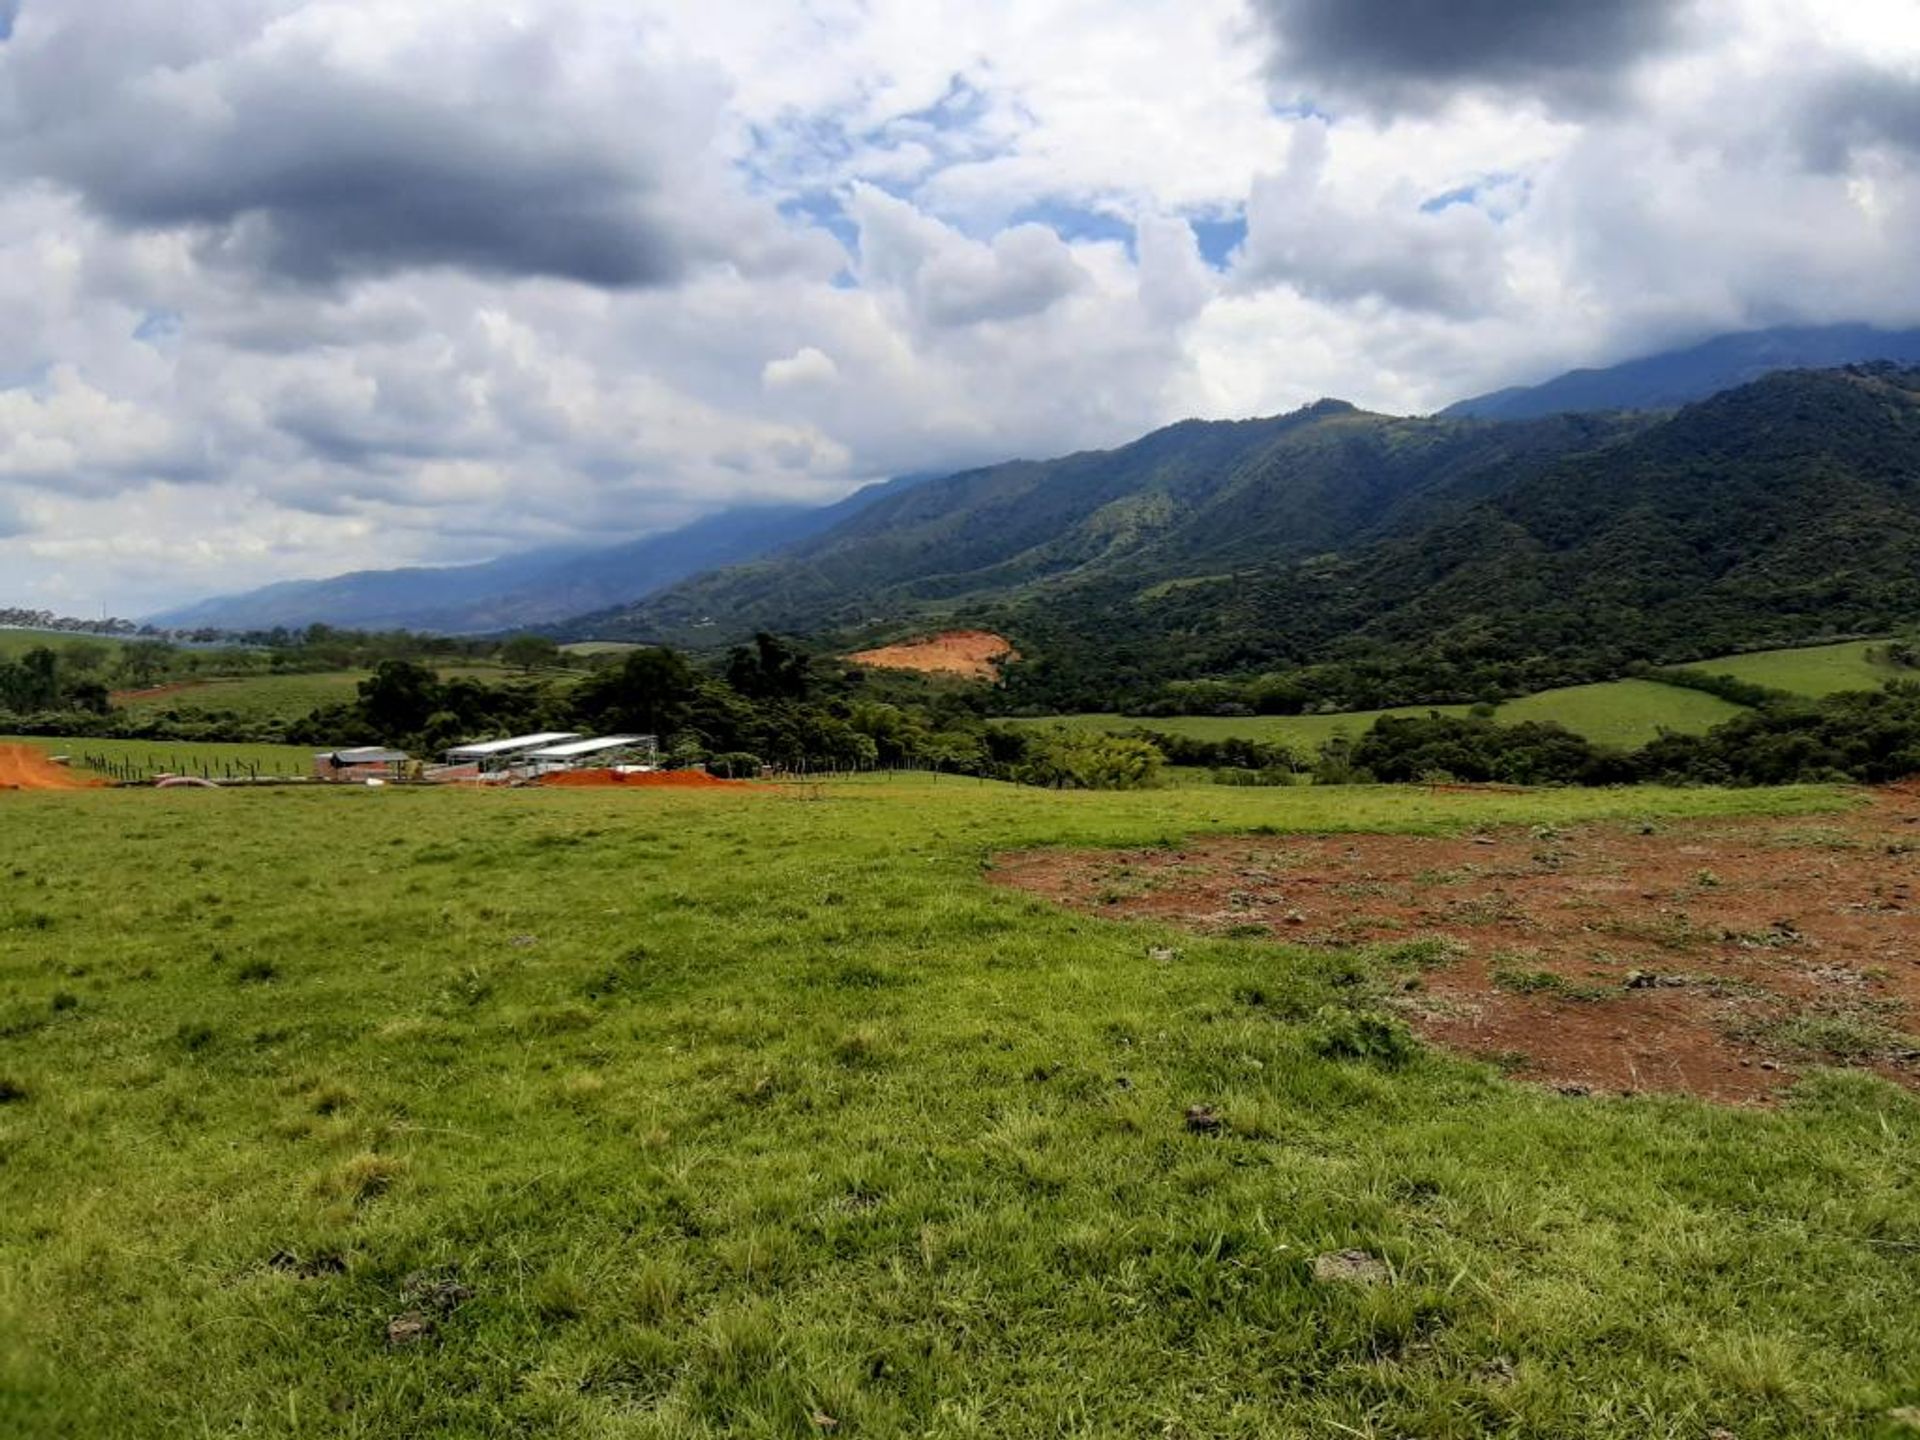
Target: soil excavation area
column 24, row 767
column 1719, row 958
column 971, row 654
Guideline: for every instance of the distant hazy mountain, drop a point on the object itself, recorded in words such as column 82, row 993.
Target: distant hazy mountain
column 533, row 588
column 1679, row 377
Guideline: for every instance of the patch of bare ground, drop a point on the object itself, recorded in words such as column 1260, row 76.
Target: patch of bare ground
column 972, row 654
column 1716, row 958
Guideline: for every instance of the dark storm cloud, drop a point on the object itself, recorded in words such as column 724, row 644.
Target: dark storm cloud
column 1859, row 109
column 1392, row 55
column 289, row 158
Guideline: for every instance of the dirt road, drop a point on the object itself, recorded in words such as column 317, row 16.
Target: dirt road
column 25, row 767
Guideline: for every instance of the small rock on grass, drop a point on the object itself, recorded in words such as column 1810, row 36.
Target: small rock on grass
column 408, row 1328
column 1350, row 1267
column 1203, row 1120
column 434, row 1290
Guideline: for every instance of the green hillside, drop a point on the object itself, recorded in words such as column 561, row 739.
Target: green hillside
column 1368, row 561
column 1813, row 670
column 1626, row 713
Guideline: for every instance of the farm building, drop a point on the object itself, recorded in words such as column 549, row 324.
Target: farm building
column 606, row 752
column 488, row 757
column 361, row 763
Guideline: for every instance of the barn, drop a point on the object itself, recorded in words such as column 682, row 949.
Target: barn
column 360, row 764
column 607, row 752
column 495, row 757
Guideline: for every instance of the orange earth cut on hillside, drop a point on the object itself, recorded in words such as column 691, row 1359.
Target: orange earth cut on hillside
column 22, row 767
column 973, row 654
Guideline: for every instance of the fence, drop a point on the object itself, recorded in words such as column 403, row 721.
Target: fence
column 130, row 769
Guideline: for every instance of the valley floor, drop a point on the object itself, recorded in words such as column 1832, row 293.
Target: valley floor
column 763, row 1112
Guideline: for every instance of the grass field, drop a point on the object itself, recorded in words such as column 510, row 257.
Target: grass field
column 15, row 643
column 1627, row 713
column 1304, row 732
column 760, row 1114
column 1815, row 670
column 177, row 756
column 288, row 697
column 1624, row 712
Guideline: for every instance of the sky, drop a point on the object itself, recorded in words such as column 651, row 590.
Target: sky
column 293, row 287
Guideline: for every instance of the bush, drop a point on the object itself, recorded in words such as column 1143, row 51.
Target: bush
column 1088, row 761
column 1344, row 1035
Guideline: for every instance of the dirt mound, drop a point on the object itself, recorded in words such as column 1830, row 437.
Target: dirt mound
column 639, row 780
column 1712, row 957
column 24, row 767
column 973, row 654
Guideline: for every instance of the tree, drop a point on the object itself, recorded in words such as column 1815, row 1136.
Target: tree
column 529, row 652
column 399, row 698
column 771, row 670
column 648, row 694
column 144, row 661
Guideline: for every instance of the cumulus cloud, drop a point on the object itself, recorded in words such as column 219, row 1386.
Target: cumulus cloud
column 1390, row 55
column 320, row 140
column 292, row 287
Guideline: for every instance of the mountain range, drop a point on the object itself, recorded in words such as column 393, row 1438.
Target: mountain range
column 530, row 589
column 1202, row 517
column 1674, row 378
column 1413, row 559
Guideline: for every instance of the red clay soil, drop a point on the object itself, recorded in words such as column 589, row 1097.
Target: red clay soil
column 971, row 654
column 1718, row 958
column 642, row 780
column 24, row 767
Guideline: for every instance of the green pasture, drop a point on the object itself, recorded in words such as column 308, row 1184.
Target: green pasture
column 764, row 1113
column 1622, row 712
column 1303, row 732
column 1626, row 713
column 15, row 643
column 1813, row 670
column 184, row 757
column 255, row 698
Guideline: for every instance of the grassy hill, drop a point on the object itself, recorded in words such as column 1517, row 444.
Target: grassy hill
column 1812, row 670
column 290, row 696
column 1626, row 713
column 182, row 757
column 643, row 1149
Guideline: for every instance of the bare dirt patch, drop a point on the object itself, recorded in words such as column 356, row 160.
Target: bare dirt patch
column 23, row 767
column 1717, row 957
column 642, row 780
column 971, row 654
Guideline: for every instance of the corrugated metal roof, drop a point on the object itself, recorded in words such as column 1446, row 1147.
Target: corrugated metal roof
column 512, row 743
column 365, row 755
column 578, row 748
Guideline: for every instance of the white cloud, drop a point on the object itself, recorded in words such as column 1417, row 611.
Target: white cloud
column 292, row 286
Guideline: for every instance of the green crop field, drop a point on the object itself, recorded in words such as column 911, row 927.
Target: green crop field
column 1303, row 732
column 1622, row 712
column 15, row 643
column 1626, row 713
column 1815, row 670
column 288, row 697
column 761, row 1113
column 178, row 756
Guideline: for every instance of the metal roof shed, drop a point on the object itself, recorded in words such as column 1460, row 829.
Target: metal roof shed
column 483, row 750
column 606, row 750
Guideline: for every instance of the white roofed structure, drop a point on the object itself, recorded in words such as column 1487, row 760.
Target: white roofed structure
column 605, row 750
column 513, row 745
